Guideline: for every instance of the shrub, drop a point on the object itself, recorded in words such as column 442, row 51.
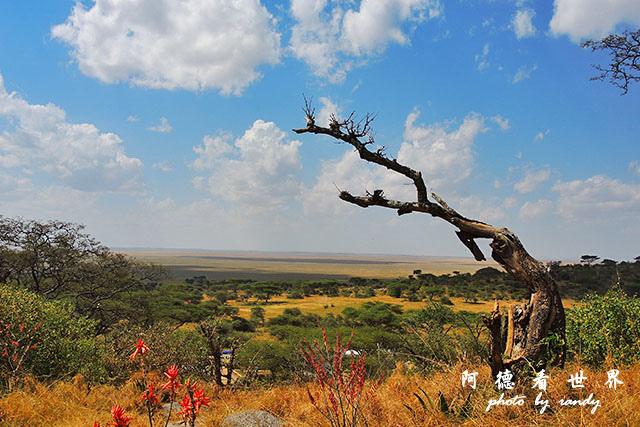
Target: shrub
column 605, row 327
column 185, row 348
column 51, row 340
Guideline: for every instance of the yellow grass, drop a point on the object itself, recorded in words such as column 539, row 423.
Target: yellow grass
column 71, row 404
column 315, row 304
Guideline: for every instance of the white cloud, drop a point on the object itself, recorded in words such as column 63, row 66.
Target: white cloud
column 40, row 137
column 532, row 210
column 133, row 119
column 599, row 198
column 259, row 171
column 521, row 23
column 634, row 167
column 523, row 73
column 163, row 166
column 328, row 107
column 191, row 44
column 443, row 155
column 580, row 19
column 163, row 127
column 540, row 135
column 332, row 40
column 445, row 158
column 481, row 58
column 532, row 179
column 502, row 123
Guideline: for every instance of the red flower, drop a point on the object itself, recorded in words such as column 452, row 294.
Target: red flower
column 151, row 395
column 199, row 399
column 120, row 419
column 96, row 424
column 186, row 407
column 172, row 375
column 140, row 348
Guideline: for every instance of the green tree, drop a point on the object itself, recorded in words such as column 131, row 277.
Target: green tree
column 57, row 260
column 257, row 315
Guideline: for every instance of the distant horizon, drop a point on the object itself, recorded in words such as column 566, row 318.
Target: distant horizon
column 320, row 253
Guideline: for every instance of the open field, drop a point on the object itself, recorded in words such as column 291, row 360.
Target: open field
column 292, row 266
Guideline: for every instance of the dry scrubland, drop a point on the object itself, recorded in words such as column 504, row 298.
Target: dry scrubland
column 71, row 404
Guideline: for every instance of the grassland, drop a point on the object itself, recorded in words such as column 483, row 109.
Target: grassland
column 287, row 266
column 294, row 266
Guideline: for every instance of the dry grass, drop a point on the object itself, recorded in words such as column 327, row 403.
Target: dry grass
column 70, row 404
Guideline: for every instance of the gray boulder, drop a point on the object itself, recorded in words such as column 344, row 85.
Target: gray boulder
column 252, row 418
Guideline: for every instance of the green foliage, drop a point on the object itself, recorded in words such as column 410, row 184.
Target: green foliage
column 64, row 343
column 605, row 327
column 373, row 314
column 186, row 348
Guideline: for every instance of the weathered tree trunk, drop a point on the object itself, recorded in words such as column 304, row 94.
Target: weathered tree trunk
column 524, row 337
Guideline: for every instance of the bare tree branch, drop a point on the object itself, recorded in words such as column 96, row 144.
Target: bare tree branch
column 624, row 67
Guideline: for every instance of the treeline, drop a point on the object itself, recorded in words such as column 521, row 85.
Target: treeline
column 574, row 281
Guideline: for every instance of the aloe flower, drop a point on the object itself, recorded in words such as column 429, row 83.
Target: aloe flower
column 141, row 348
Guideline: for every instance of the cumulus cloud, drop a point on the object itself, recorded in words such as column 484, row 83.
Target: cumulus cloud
column 40, row 137
column 599, row 198
column 532, row 180
column 163, row 127
column 259, row 171
column 523, row 73
column 634, row 167
column 191, row 44
column 522, row 24
column 580, row 19
column 332, row 40
column 443, row 155
column 532, row 210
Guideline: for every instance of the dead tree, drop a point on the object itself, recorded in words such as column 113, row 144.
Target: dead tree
column 532, row 328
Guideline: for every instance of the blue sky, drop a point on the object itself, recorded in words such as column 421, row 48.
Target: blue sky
column 167, row 124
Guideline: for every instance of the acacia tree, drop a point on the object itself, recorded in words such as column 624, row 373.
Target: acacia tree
column 624, row 50
column 531, row 326
column 58, row 261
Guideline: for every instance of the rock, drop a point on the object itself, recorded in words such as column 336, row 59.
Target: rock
column 252, row 418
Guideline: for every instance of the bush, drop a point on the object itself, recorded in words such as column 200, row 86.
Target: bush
column 51, row 340
column 185, row 348
column 445, row 300
column 605, row 327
